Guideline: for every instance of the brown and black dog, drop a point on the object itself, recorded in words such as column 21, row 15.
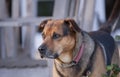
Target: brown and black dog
column 77, row 53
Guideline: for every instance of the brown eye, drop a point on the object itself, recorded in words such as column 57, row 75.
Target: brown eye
column 56, row 36
column 43, row 35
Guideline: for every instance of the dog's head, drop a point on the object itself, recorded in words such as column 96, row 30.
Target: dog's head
column 58, row 37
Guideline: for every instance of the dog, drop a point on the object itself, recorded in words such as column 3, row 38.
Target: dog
column 77, row 53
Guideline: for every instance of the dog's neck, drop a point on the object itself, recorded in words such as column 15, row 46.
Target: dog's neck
column 65, row 61
column 66, row 58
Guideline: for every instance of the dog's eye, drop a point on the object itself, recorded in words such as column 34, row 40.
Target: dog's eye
column 43, row 35
column 55, row 36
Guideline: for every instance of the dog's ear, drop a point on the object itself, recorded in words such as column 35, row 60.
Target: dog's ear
column 72, row 25
column 42, row 24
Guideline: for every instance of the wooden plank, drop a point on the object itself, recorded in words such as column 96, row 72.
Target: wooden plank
column 3, row 14
column 61, row 8
column 11, row 33
column 2, row 45
column 89, row 15
column 15, row 8
column 86, row 14
column 16, row 34
column 77, row 6
column 72, row 8
column 9, row 42
column 29, row 32
column 23, row 21
column 3, row 11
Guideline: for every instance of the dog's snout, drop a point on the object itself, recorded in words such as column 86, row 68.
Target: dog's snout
column 42, row 49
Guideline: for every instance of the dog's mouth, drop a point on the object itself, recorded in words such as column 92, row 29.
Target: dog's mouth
column 49, row 54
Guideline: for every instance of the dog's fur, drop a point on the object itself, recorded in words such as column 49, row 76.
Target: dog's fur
column 62, row 40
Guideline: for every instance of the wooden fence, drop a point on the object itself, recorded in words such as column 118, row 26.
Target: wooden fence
column 18, row 32
column 12, row 31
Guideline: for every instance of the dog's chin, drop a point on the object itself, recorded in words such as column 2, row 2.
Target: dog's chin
column 50, row 56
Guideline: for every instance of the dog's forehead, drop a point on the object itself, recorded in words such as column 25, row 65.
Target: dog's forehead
column 54, row 25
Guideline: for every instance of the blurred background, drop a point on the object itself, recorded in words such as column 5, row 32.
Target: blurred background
column 20, row 37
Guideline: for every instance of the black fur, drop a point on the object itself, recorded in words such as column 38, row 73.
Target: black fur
column 42, row 25
column 107, row 41
column 72, row 25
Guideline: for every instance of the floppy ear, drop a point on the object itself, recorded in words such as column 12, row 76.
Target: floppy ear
column 42, row 24
column 72, row 25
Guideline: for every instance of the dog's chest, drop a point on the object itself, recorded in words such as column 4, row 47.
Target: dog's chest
column 69, row 72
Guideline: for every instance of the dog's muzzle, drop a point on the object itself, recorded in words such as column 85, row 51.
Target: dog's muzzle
column 45, row 52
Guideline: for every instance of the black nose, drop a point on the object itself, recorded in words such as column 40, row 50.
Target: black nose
column 42, row 49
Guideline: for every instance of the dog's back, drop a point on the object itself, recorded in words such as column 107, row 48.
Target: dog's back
column 106, row 42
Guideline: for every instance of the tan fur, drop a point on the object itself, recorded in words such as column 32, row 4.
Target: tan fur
column 116, row 58
column 63, row 44
column 68, row 46
column 99, row 65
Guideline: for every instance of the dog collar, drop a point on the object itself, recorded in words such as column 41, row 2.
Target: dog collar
column 81, row 47
column 78, row 56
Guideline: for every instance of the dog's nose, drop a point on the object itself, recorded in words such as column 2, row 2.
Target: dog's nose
column 42, row 49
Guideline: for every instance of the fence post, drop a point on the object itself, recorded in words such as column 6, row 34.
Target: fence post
column 86, row 14
column 15, row 14
column 29, row 31
column 61, row 7
column 7, row 37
